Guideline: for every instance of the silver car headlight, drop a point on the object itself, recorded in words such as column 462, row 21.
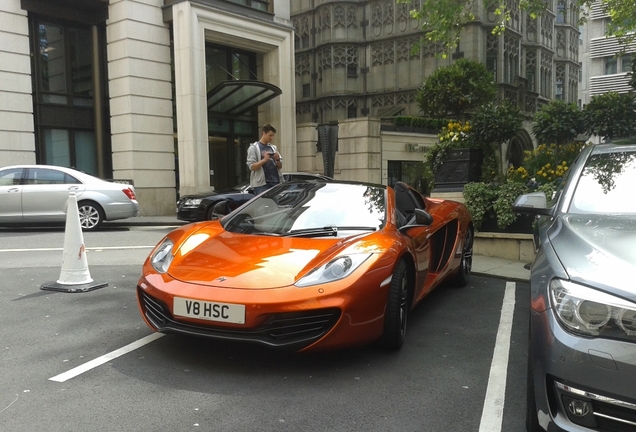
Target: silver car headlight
column 192, row 202
column 162, row 256
column 336, row 269
column 590, row 312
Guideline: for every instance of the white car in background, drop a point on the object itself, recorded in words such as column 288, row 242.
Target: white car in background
column 37, row 194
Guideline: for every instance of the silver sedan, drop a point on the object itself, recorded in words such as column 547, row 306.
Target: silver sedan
column 37, row 194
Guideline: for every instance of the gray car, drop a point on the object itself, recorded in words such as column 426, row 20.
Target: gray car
column 37, row 194
column 582, row 350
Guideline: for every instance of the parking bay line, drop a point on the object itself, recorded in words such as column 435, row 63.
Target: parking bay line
column 88, row 249
column 492, row 413
column 105, row 358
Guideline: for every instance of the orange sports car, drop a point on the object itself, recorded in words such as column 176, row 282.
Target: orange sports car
column 308, row 266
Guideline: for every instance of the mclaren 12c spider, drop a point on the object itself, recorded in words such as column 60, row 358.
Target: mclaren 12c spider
column 308, row 266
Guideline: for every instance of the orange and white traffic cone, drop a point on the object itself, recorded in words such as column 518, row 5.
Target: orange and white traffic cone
column 74, row 276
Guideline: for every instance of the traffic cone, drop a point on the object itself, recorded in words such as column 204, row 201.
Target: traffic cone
column 74, row 276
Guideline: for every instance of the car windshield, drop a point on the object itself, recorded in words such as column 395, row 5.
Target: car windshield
column 312, row 210
column 607, row 184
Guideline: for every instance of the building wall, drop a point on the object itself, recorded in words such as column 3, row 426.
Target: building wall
column 17, row 139
column 142, row 132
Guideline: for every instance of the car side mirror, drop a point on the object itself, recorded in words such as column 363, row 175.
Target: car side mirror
column 532, row 203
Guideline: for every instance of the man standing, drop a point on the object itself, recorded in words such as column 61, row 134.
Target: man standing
column 264, row 162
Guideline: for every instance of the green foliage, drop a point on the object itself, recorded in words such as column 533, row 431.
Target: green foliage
column 611, row 115
column 420, row 122
column 542, row 170
column 485, row 200
column 442, row 20
column 506, row 196
column 547, row 163
column 479, row 199
column 452, row 90
column 558, row 122
column 495, row 123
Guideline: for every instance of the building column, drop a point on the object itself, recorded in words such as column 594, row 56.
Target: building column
column 140, row 92
column 191, row 100
column 17, row 139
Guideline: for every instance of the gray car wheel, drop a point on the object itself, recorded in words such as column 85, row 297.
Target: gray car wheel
column 397, row 308
column 91, row 215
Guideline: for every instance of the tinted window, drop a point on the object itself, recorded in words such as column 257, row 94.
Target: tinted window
column 49, row 176
column 607, row 184
column 9, row 177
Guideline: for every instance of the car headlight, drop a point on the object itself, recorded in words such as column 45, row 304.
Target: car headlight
column 192, row 202
column 590, row 312
column 162, row 256
column 336, row 269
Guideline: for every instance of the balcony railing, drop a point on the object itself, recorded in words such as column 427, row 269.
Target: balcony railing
column 618, row 83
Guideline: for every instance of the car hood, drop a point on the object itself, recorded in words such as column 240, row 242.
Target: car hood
column 598, row 251
column 203, row 195
column 215, row 257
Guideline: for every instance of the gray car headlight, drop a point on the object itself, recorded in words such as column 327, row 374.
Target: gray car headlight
column 162, row 256
column 336, row 269
column 591, row 312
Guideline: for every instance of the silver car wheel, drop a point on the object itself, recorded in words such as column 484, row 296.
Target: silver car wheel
column 90, row 216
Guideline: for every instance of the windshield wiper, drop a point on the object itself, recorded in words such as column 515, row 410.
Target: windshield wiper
column 331, row 230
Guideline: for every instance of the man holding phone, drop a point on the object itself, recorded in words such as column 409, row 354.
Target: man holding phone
column 264, row 162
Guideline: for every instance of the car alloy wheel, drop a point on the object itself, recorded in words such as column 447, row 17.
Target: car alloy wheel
column 90, row 215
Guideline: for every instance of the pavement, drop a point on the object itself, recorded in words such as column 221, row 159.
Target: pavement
column 508, row 269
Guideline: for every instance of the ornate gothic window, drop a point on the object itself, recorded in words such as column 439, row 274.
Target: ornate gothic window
column 492, row 51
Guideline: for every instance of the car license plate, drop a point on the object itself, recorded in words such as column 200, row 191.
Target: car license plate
column 212, row 311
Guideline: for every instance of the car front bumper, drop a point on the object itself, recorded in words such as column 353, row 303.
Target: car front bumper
column 581, row 384
column 191, row 214
column 288, row 318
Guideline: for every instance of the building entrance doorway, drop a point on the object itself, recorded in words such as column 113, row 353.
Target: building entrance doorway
column 228, row 152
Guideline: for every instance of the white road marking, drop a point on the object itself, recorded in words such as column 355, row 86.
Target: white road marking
column 105, row 358
column 88, row 249
column 492, row 414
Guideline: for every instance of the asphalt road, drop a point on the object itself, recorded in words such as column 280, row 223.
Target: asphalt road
column 87, row 362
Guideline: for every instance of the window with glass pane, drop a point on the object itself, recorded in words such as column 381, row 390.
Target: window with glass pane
column 57, row 147
column 530, row 76
column 85, row 152
column 610, row 66
column 81, row 65
column 256, row 4
column 626, row 63
column 52, row 61
column 558, row 94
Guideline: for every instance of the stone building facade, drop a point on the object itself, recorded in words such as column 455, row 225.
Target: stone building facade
column 367, row 58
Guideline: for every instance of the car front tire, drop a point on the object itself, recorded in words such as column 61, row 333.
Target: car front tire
column 91, row 215
column 396, row 314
